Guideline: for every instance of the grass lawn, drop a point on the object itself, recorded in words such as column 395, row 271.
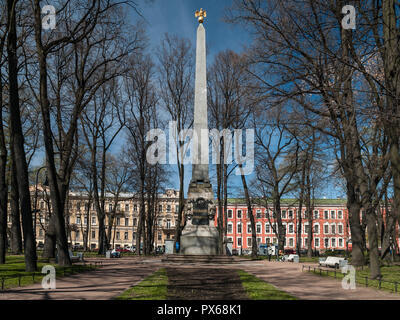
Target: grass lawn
column 13, row 274
column 257, row 289
column 154, row 287
column 389, row 273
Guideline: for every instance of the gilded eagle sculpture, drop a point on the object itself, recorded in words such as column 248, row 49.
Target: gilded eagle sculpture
column 200, row 15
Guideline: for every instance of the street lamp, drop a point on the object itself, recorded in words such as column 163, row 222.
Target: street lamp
column 36, row 196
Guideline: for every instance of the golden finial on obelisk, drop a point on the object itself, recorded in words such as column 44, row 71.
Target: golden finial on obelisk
column 200, row 14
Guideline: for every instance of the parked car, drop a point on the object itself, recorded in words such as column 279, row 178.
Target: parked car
column 77, row 247
column 293, row 258
column 122, row 250
column 334, row 262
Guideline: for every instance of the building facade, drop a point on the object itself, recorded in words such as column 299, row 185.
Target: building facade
column 330, row 223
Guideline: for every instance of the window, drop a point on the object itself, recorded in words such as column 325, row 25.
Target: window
column 168, row 223
column 267, row 228
column 160, row 207
column 340, row 214
column 316, row 214
column 326, row 214
column 118, row 221
column 135, row 207
column 93, row 234
column 340, row 242
column 229, row 214
column 333, row 228
column 159, row 236
column 283, row 214
column 239, row 214
column 290, row 214
column 230, row 228
column 85, row 221
column 239, row 242
column 248, row 242
column 127, row 207
column 126, row 222
column 259, row 240
column 118, row 235
column 291, row 228
column 78, row 206
column 291, row 242
column 133, row 235
column 41, row 205
column 126, row 236
column 134, row 222
column 248, row 228
column 316, row 228
column 239, row 228
column 340, row 229
column 326, row 242
column 78, row 220
column 168, row 208
column 333, row 214
column 305, row 242
column 326, row 228
column 306, row 228
column 93, row 220
column 258, row 228
column 76, row 235
column 258, row 214
column 176, row 208
column 110, row 207
column 316, row 242
column 333, row 242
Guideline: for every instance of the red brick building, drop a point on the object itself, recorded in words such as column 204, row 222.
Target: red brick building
column 331, row 229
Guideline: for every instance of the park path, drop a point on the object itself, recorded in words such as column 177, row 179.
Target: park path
column 307, row 286
column 120, row 274
column 103, row 284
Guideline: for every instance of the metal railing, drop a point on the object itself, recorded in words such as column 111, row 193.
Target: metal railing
column 363, row 280
column 77, row 268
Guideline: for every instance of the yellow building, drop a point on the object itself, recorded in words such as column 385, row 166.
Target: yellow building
column 81, row 218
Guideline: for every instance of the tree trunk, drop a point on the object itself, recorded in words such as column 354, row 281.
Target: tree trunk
column 3, row 184
column 254, row 247
column 374, row 265
column 16, row 236
column 17, row 139
column 354, row 207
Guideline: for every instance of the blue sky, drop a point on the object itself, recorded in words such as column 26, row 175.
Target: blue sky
column 177, row 17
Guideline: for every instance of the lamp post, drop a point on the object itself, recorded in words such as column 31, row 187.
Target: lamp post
column 36, row 196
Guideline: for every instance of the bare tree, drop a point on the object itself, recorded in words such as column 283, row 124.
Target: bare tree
column 175, row 72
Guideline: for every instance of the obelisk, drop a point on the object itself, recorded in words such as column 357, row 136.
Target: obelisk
column 200, row 236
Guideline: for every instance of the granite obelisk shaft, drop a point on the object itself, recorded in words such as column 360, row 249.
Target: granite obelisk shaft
column 200, row 155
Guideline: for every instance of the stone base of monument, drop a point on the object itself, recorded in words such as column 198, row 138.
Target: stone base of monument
column 199, row 240
column 212, row 259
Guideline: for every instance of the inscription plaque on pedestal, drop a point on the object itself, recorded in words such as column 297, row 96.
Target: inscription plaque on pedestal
column 200, row 212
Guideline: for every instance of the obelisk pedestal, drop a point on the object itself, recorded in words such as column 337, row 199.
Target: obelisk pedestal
column 200, row 236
